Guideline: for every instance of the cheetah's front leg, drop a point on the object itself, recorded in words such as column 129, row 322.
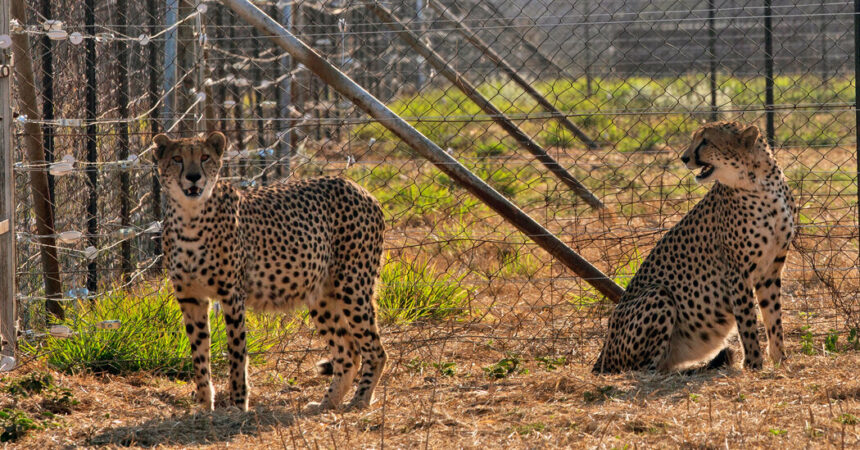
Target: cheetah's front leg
column 195, row 313
column 768, row 295
column 743, row 307
column 234, row 319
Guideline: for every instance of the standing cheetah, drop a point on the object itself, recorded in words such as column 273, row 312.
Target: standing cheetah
column 702, row 280
column 316, row 242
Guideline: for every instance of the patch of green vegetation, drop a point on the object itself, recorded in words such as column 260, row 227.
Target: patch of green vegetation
column 695, row 397
column 417, row 291
column 807, row 345
column 550, row 363
column 831, row 341
column 777, row 431
column 59, row 401
column 556, row 136
column 847, row 419
column 597, row 115
column 31, row 383
column 507, row 366
column 16, row 424
column 490, row 148
column 151, row 338
column 446, row 369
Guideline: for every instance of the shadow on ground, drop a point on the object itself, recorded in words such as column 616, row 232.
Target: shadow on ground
column 196, row 428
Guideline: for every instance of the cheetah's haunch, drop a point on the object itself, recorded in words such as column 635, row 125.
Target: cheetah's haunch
column 702, row 280
column 316, row 242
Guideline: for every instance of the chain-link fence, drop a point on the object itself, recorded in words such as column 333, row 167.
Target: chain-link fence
column 610, row 89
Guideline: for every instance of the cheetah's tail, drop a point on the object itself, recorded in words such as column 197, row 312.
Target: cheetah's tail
column 325, row 367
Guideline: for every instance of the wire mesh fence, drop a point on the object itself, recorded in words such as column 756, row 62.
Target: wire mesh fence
column 611, row 90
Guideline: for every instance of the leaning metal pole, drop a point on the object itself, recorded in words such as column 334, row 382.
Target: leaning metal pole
column 484, row 103
column 425, row 147
column 486, row 50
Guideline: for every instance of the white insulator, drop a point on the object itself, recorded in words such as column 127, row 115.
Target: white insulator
column 7, row 363
column 268, row 104
column 154, row 227
column 76, row 38
column 69, row 237
column 202, row 8
column 57, row 35
column 5, row 41
column 229, row 104
column 104, row 37
column 60, row 331
column 241, row 82
column 61, row 168
column 265, row 84
column 201, row 96
column 70, row 122
column 52, row 25
column 143, row 39
column 91, row 252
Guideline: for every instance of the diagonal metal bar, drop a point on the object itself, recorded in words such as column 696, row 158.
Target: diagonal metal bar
column 425, row 147
column 507, row 69
column 493, row 12
column 497, row 115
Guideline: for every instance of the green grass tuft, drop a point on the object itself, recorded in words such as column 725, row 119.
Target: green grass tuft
column 417, row 291
column 151, row 338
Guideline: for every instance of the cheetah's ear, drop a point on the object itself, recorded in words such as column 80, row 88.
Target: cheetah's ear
column 162, row 142
column 217, row 141
column 749, row 136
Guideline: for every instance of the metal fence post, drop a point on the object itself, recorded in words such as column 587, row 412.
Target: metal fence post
column 170, row 50
column 856, row 100
column 8, row 314
column 92, row 149
column 285, row 97
column 768, row 72
column 712, row 57
column 122, row 57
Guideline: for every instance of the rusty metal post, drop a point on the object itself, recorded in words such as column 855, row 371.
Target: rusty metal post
column 425, row 147
column 497, row 115
column 36, row 155
column 507, row 69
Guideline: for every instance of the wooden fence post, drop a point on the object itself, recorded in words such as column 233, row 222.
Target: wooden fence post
column 8, row 315
column 39, row 188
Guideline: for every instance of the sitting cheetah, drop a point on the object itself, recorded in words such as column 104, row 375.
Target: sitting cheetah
column 701, row 282
column 316, row 242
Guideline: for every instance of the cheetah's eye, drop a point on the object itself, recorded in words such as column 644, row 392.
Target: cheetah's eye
column 204, row 157
column 177, row 159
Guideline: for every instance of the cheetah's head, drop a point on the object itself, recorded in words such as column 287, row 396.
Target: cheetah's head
column 728, row 152
column 188, row 167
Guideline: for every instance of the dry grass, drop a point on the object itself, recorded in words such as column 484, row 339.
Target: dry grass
column 811, row 401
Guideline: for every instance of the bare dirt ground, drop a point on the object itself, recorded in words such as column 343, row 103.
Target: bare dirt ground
column 810, row 401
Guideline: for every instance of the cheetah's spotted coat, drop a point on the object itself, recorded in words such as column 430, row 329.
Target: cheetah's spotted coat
column 702, row 280
column 316, row 242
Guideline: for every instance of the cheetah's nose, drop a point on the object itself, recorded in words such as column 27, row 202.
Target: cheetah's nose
column 685, row 159
column 193, row 177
